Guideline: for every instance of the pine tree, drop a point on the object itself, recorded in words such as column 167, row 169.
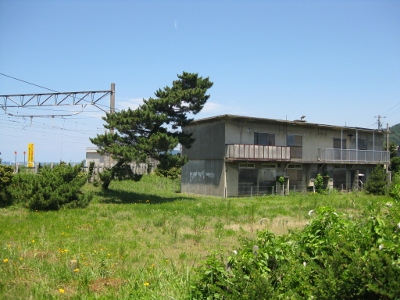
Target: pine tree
column 152, row 130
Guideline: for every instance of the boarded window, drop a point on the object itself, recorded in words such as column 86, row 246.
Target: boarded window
column 263, row 138
column 295, row 142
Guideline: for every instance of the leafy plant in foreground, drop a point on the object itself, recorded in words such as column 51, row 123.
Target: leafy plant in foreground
column 334, row 257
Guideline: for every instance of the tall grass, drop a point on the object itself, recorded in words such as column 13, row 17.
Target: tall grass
column 139, row 240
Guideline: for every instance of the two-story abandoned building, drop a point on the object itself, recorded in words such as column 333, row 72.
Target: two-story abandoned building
column 237, row 155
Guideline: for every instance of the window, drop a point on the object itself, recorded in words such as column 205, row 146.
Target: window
column 296, row 167
column 339, row 145
column 296, row 145
column 294, row 140
column 269, row 166
column 362, row 144
column 247, row 165
column 263, row 138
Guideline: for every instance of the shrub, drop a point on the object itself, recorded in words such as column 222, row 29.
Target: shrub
column 6, row 176
column 52, row 188
column 319, row 183
column 334, row 257
column 376, row 182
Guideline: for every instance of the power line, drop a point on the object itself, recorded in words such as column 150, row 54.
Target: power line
column 24, row 81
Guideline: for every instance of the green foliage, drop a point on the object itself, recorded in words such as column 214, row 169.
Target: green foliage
column 120, row 171
column 395, row 164
column 6, row 176
column 52, row 188
column 376, row 182
column 392, row 149
column 395, row 192
column 332, row 258
column 91, row 170
column 170, row 166
column 319, row 183
column 154, row 128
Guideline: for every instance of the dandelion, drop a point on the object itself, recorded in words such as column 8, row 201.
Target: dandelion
column 62, row 291
column 76, row 270
column 33, row 241
column 21, row 258
column 5, row 260
column 146, row 284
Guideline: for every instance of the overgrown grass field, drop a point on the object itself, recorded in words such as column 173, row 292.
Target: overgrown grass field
column 140, row 240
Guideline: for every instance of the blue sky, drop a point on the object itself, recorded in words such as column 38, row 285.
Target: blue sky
column 336, row 62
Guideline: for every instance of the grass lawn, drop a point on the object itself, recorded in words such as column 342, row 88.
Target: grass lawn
column 140, row 240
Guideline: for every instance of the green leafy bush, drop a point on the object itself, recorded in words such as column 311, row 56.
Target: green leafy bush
column 6, row 176
column 376, row 182
column 319, row 183
column 334, row 257
column 52, row 188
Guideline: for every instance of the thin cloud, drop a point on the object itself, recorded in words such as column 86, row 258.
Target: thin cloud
column 131, row 103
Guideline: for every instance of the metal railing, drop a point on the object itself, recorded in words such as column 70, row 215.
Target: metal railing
column 257, row 152
column 353, row 155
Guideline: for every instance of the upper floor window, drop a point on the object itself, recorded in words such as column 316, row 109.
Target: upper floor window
column 339, row 143
column 295, row 142
column 362, row 144
column 263, row 138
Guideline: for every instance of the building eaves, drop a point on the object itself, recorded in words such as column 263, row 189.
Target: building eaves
column 279, row 121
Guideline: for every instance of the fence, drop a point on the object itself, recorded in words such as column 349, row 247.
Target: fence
column 272, row 190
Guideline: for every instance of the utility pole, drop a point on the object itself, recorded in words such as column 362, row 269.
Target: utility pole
column 112, row 110
column 379, row 122
column 112, row 102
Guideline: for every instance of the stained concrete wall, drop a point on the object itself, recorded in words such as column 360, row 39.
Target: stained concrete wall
column 204, row 177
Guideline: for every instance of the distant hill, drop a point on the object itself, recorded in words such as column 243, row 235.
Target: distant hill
column 395, row 134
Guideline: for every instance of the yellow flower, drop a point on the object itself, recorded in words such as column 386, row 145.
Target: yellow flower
column 62, row 291
column 76, row 270
column 33, row 241
column 5, row 260
column 146, row 284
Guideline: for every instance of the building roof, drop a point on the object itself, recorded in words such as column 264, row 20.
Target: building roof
column 293, row 122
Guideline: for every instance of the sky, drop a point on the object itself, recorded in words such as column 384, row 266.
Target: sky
column 335, row 62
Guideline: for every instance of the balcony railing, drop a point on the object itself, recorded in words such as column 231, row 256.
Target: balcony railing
column 353, row 155
column 257, row 152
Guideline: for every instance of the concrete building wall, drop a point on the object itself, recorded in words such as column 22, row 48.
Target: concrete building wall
column 204, row 177
column 209, row 141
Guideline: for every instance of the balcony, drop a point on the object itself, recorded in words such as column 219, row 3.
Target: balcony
column 257, row 152
column 353, row 156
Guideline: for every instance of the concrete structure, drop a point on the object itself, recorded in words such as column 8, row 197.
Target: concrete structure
column 105, row 161
column 237, row 155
